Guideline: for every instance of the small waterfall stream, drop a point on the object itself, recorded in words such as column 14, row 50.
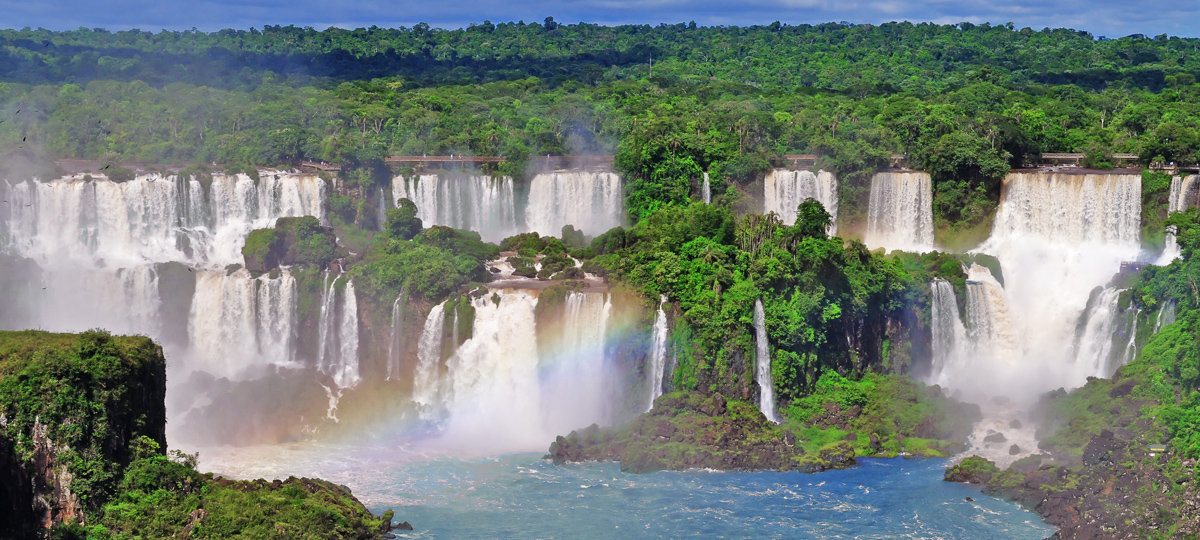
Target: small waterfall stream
column 950, row 345
column 706, row 190
column 397, row 344
column 762, row 362
column 338, row 332
column 658, row 352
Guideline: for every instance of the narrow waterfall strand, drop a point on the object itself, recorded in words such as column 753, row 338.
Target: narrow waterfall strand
column 762, row 372
column 426, row 381
column 949, row 334
column 658, row 352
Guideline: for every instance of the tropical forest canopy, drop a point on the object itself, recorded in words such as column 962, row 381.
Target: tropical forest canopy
column 965, row 102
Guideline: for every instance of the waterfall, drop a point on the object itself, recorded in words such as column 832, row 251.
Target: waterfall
column 991, row 326
column 1184, row 195
column 1058, row 236
column 427, row 379
column 658, row 352
column 784, row 190
column 154, row 218
column 1165, row 316
column 121, row 300
column 397, row 343
column 238, row 323
column 900, row 213
column 381, row 210
column 479, row 203
column 762, row 361
column 950, row 346
column 575, row 368
column 511, row 383
column 1170, row 250
column 338, row 333
column 590, row 201
column 1094, row 349
column 1072, row 208
column 1131, row 346
column 706, row 190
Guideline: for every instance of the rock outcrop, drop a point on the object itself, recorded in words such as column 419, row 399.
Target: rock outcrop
column 693, row 431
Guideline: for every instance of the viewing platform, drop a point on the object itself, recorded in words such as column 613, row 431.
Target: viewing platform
column 541, row 163
column 897, row 161
column 320, row 166
column 1074, row 158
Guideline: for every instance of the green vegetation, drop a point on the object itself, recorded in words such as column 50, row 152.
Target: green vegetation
column 161, row 497
column 691, row 430
column 72, row 405
column 294, row 240
column 881, row 415
column 82, row 440
column 965, row 102
column 435, row 261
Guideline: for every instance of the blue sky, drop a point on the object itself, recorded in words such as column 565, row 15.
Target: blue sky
column 1112, row 18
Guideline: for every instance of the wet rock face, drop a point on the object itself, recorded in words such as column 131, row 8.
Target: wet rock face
column 995, row 438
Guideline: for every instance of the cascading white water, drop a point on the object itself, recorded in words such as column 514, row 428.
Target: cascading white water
column 427, row 381
column 574, row 370
column 590, row 201
column 397, row 343
column 479, row 203
column 989, row 322
column 900, row 213
column 338, row 333
column 784, row 190
column 1094, row 348
column 380, row 210
column 152, row 218
column 658, row 352
column 1165, row 316
column 1057, row 237
column 950, row 345
column 706, row 190
column 1184, row 195
column 500, row 389
column 762, row 364
column 239, row 324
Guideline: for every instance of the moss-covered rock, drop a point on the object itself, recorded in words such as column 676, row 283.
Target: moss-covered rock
column 294, row 240
column 973, row 470
column 82, row 453
column 692, row 430
column 882, row 416
column 70, row 406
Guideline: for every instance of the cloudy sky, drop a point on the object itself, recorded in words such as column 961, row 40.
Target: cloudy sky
column 1112, row 18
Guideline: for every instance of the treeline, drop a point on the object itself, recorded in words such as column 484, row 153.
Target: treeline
column 665, row 134
column 858, row 59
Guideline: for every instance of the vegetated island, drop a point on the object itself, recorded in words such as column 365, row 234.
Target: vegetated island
column 83, row 455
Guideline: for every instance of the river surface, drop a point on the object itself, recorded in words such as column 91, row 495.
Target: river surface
column 524, row 496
